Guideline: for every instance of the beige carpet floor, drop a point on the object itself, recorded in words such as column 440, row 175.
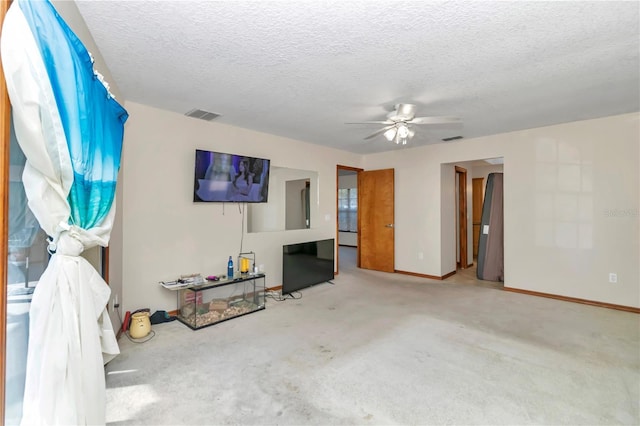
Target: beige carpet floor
column 380, row 348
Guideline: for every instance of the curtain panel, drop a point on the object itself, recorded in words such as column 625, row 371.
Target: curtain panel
column 70, row 128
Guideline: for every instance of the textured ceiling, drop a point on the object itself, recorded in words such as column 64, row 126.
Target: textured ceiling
column 303, row 69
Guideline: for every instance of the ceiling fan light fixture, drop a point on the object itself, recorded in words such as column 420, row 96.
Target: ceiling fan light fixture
column 390, row 134
column 403, row 131
column 399, row 140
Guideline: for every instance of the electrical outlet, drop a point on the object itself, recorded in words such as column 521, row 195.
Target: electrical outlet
column 613, row 277
column 114, row 303
column 420, row 255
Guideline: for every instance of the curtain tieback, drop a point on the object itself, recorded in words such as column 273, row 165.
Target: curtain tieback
column 67, row 243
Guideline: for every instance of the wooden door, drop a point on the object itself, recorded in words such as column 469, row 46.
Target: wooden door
column 462, row 233
column 477, row 212
column 376, row 235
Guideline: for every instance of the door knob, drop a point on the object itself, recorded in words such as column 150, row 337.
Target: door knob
column 389, row 225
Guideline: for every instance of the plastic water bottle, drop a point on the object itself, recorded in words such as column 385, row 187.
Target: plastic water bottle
column 230, row 268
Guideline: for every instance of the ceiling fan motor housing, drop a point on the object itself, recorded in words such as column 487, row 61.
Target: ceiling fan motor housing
column 402, row 112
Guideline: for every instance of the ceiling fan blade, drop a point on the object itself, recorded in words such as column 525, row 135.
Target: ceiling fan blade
column 377, row 132
column 387, row 122
column 435, row 120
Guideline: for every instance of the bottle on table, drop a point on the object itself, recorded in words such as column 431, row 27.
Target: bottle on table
column 230, row 269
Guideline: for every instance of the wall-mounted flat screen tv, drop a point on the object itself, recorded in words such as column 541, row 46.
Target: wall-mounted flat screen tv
column 306, row 264
column 221, row 177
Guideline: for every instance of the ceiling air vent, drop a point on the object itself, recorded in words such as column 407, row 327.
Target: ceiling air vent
column 453, row 138
column 202, row 115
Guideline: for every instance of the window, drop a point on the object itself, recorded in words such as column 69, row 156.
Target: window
column 348, row 210
column 26, row 260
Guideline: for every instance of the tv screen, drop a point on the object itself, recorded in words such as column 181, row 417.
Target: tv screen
column 221, row 177
column 306, row 264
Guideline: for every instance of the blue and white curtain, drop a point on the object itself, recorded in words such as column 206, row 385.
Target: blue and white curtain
column 70, row 129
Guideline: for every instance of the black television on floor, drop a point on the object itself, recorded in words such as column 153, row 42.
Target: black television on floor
column 306, row 264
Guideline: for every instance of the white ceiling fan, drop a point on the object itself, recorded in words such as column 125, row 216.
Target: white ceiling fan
column 399, row 122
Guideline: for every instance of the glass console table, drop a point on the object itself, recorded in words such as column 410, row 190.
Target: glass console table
column 210, row 303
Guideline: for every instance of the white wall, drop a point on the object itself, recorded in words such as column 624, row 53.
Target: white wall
column 348, row 238
column 166, row 234
column 571, row 206
column 348, row 181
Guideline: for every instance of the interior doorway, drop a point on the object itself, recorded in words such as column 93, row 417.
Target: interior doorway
column 461, row 218
column 346, row 216
column 477, row 197
column 365, row 217
column 452, row 190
